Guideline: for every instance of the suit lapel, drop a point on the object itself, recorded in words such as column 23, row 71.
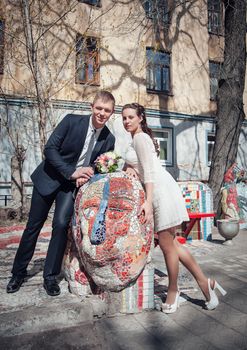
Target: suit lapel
column 81, row 134
column 83, row 130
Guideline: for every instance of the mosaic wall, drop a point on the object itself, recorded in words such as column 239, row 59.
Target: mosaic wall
column 198, row 199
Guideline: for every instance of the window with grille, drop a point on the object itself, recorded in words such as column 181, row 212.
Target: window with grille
column 164, row 138
column 158, row 71
column 87, row 60
column 91, row 2
column 210, row 146
column 215, row 17
column 157, row 9
column 214, row 76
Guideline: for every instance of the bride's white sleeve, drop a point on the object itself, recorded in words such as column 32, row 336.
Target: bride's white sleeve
column 145, row 157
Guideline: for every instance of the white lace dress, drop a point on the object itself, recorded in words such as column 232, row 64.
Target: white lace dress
column 168, row 203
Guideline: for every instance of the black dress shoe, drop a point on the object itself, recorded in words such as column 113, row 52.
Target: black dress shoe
column 51, row 286
column 14, row 284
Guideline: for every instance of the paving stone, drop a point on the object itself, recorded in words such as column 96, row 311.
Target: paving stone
column 206, row 327
column 230, row 317
column 30, row 319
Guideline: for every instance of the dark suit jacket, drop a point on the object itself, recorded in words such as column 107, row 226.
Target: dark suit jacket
column 62, row 152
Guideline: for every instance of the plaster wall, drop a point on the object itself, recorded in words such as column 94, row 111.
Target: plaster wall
column 124, row 33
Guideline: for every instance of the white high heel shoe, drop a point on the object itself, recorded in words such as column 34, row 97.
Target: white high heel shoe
column 214, row 301
column 171, row 308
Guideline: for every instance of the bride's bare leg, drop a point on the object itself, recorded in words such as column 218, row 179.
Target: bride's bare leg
column 173, row 253
column 190, row 263
column 170, row 251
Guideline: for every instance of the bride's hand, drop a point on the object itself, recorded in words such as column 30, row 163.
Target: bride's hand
column 147, row 209
column 131, row 172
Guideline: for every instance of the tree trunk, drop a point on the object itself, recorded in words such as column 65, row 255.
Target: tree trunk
column 17, row 183
column 32, row 55
column 230, row 114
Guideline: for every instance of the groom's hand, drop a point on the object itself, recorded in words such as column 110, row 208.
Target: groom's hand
column 82, row 172
column 81, row 181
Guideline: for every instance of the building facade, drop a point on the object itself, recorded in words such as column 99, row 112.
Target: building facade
column 164, row 55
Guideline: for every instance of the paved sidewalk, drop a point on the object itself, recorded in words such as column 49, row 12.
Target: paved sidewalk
column 30, row 319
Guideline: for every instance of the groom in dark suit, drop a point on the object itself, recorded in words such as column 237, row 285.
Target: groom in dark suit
column 74, row 144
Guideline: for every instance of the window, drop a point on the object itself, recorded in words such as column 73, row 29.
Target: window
column 158, row 71
column 165, row 141
column 157, row 9
column 214, row 75
column 1, row 46
column 215, row 16
column 210, row 146
column 91, row 2
column 87, row 60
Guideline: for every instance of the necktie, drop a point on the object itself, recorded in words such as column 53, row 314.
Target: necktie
column 89, row 149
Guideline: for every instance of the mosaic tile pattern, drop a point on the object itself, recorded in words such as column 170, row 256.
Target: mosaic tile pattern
column 140, row 295
column 108, row 244
column 198, row 199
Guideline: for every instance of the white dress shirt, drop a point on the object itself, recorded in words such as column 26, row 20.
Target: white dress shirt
column 91, row 139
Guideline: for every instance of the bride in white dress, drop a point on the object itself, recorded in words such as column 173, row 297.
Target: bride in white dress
column 164, row 203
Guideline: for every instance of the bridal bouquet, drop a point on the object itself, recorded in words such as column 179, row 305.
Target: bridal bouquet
column 108, row 162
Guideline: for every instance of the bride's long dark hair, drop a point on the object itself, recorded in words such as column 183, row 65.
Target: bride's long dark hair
column 140, row 111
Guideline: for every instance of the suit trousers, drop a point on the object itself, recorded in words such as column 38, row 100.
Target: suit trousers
column 40, row 206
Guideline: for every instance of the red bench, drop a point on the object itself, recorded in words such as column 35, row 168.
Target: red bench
column 187, row 226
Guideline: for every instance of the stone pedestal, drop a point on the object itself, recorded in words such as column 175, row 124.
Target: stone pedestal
column 137, row 297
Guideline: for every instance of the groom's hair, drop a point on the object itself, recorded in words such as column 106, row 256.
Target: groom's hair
column 105, row 96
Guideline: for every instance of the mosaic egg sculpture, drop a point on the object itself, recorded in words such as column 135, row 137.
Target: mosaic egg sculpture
column 108, row 242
